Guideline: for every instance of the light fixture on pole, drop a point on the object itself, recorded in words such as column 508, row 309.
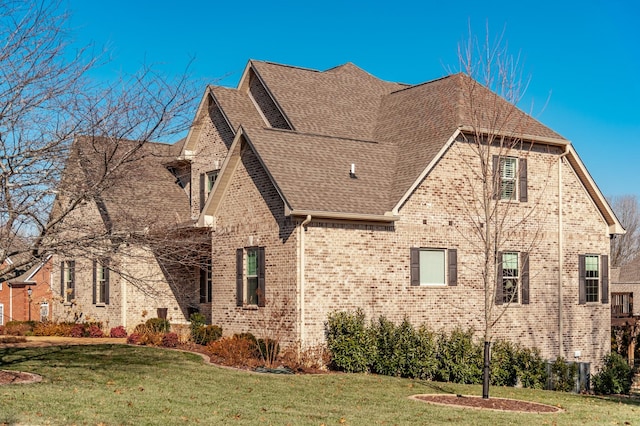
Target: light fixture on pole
column 29, row 292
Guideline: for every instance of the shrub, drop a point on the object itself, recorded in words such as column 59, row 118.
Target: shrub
column 94, row 331
column 133, row 339
column 118, row 332
column 53, row 329
column 170, row 340
column 504, row 365
column 532, row 369
column 158, row 325
column 351, row 344
column 19, row 328
column 460, row 360
column 615, row 376
column 403, row 350
column 563, row 375
column 235, row 350
column 205, row 334
column 268, row 350
column 78, row 331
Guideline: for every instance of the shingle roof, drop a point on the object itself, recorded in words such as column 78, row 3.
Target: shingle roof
column 140, row 192
column 630, row 272
column 344, row 115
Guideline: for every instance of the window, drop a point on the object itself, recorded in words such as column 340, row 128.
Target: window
column 621, row 304
column 507, row 178
column 1, row 314
column 432, row 266
column 101, row 282
column 513, row 278
column 593, row 278
column 67, row 280
column 206, row 287
column 44, row 311
column 511, row 178
column 207, row 180
column 250, row 272
column 510, row 277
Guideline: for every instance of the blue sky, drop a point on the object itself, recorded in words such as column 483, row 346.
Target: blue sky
column 583, row 57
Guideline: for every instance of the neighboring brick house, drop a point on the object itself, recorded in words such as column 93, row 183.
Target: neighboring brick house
column 16, row 304
column 335, row 190
column 625, row 313
column 118, row 273
column 27, row 296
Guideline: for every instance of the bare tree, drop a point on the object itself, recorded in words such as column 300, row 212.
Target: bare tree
column 494, row 153
column 626, row 247
column 46, row 100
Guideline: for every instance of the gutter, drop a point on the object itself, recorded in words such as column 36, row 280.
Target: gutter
column 560, row 255
column 387, row 217
column 301, row 278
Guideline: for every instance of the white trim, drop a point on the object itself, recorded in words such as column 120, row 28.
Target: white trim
column 1, row 313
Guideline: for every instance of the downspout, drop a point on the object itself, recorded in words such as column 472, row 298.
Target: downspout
column 560, row 257
column 301, row 278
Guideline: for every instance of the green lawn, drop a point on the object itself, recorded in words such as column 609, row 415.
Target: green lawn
column 117, row 384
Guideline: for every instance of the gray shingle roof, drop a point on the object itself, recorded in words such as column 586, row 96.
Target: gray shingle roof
column 140, row 192
column 344, row 115
column 630, row 272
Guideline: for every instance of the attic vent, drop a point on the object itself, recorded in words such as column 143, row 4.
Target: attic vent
column 352, row 171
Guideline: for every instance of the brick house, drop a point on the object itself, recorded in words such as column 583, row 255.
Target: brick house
column 119, row 272
column 625, row 314
column 334, row 190
column 27, row 296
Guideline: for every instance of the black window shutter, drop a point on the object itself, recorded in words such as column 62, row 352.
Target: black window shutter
column 604, row 281
column 95, row 282
column 497, row 178
column 62, row 293
column 582, row 291
column 202, row 190
column 524, row 278
column 414, row 259
column 239, row 281
column 499, row 284
column 261, row 284
column 522, row 169
column 106, row 281
column 453, row 266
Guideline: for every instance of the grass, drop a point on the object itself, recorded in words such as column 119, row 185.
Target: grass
column 118, row 384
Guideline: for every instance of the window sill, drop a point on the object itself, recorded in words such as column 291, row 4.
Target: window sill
column 431, row 285
column 100, row 305
column 250, row 307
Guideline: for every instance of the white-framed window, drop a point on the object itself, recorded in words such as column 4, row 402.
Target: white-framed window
column 44, row 311
column 250, row 276
column 508, row 178
column 212, row 176
column 592, row 277
column 1, row 314
column 67, row 280
column 433, row 266
column 510, row 277
column 206, row 281
column 101, row 282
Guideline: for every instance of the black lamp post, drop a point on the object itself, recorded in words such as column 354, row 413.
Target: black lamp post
column 29, row 292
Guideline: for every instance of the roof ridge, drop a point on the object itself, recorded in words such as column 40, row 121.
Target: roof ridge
column 424, row 83
column 321, row 135
column 284, row 65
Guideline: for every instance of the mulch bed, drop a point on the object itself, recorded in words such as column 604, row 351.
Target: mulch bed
column 18, row 377
column 498, row 404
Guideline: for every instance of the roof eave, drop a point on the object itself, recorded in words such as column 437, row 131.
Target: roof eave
column 360, row 217
column 524, row 136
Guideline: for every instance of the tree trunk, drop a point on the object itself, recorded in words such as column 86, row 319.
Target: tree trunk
column 487, row 371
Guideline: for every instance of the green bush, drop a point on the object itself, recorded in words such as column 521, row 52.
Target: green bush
column 158, row 325
column 205, row 334
column 504, row 363
column 615, row 377
column 460, row 360
column 350, row 342
column 532, row 369
column 403, row 350
column 563, row 375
